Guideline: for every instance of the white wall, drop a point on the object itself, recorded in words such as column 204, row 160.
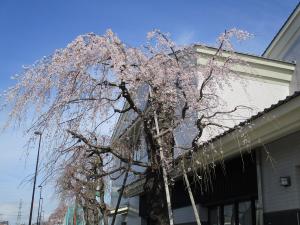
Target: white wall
column 285, row 154
column 256, row 93
column 293, row 54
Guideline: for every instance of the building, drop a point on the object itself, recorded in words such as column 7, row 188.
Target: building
column 267, row 188
column 286, row 45
column 4, row 223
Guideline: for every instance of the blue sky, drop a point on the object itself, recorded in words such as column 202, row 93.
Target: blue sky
column 33, row 28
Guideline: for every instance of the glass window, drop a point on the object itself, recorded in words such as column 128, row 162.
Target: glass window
column 229, row 216
column 214, row 216
column 245, row 213
column 231, row 213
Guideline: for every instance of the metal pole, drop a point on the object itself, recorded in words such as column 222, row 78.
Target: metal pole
column 43, row 214
column 35, row 175
column 39, row 210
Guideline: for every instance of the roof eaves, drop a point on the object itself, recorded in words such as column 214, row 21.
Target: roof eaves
column 254, row 117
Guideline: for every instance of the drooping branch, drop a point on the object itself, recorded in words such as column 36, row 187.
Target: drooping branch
column 227, row 112
column 100, row 149
column 127, row 96
column 97, row 149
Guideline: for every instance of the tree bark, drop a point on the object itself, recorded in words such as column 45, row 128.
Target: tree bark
column 105, row 218
column 155, row 199
column 157, row 190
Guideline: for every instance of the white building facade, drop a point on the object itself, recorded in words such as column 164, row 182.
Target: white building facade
column 267, row 189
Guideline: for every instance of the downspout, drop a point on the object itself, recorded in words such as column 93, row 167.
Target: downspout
column 259, row 207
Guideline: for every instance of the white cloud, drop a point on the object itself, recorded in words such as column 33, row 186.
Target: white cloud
column 185, row 37
column 8, row 211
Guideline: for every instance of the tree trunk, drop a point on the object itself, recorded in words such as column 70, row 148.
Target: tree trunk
column 164, row 172
column 157, row 190
column 105, row 218
column 96, row 217
column 155, row 195
column 86, row 216
column 155, row 199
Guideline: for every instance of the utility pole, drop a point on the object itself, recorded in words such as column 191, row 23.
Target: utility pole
column 39, row 206
column 41, row 211
column 35, row 175
column 43, row 216
column 19, row 213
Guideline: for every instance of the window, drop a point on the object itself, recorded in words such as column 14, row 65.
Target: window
column 237, row 213
column 229, row 215
column 214, row 216
column 245, row 213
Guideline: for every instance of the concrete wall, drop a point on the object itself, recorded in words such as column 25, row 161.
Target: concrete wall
column 285, row 155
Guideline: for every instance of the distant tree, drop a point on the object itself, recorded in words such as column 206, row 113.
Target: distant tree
column 82, row 182
column 77, row 93
column 57, row 217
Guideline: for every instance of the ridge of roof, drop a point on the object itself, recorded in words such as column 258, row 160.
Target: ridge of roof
column 250, row 54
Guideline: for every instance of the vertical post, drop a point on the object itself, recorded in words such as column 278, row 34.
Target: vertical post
column 43, row 216
column 35, row 175
column 259, row 187
column 197, row 217
column 41, row 211
column 38, row 214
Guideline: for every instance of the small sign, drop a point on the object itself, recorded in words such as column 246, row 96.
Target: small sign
column 285, row 181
